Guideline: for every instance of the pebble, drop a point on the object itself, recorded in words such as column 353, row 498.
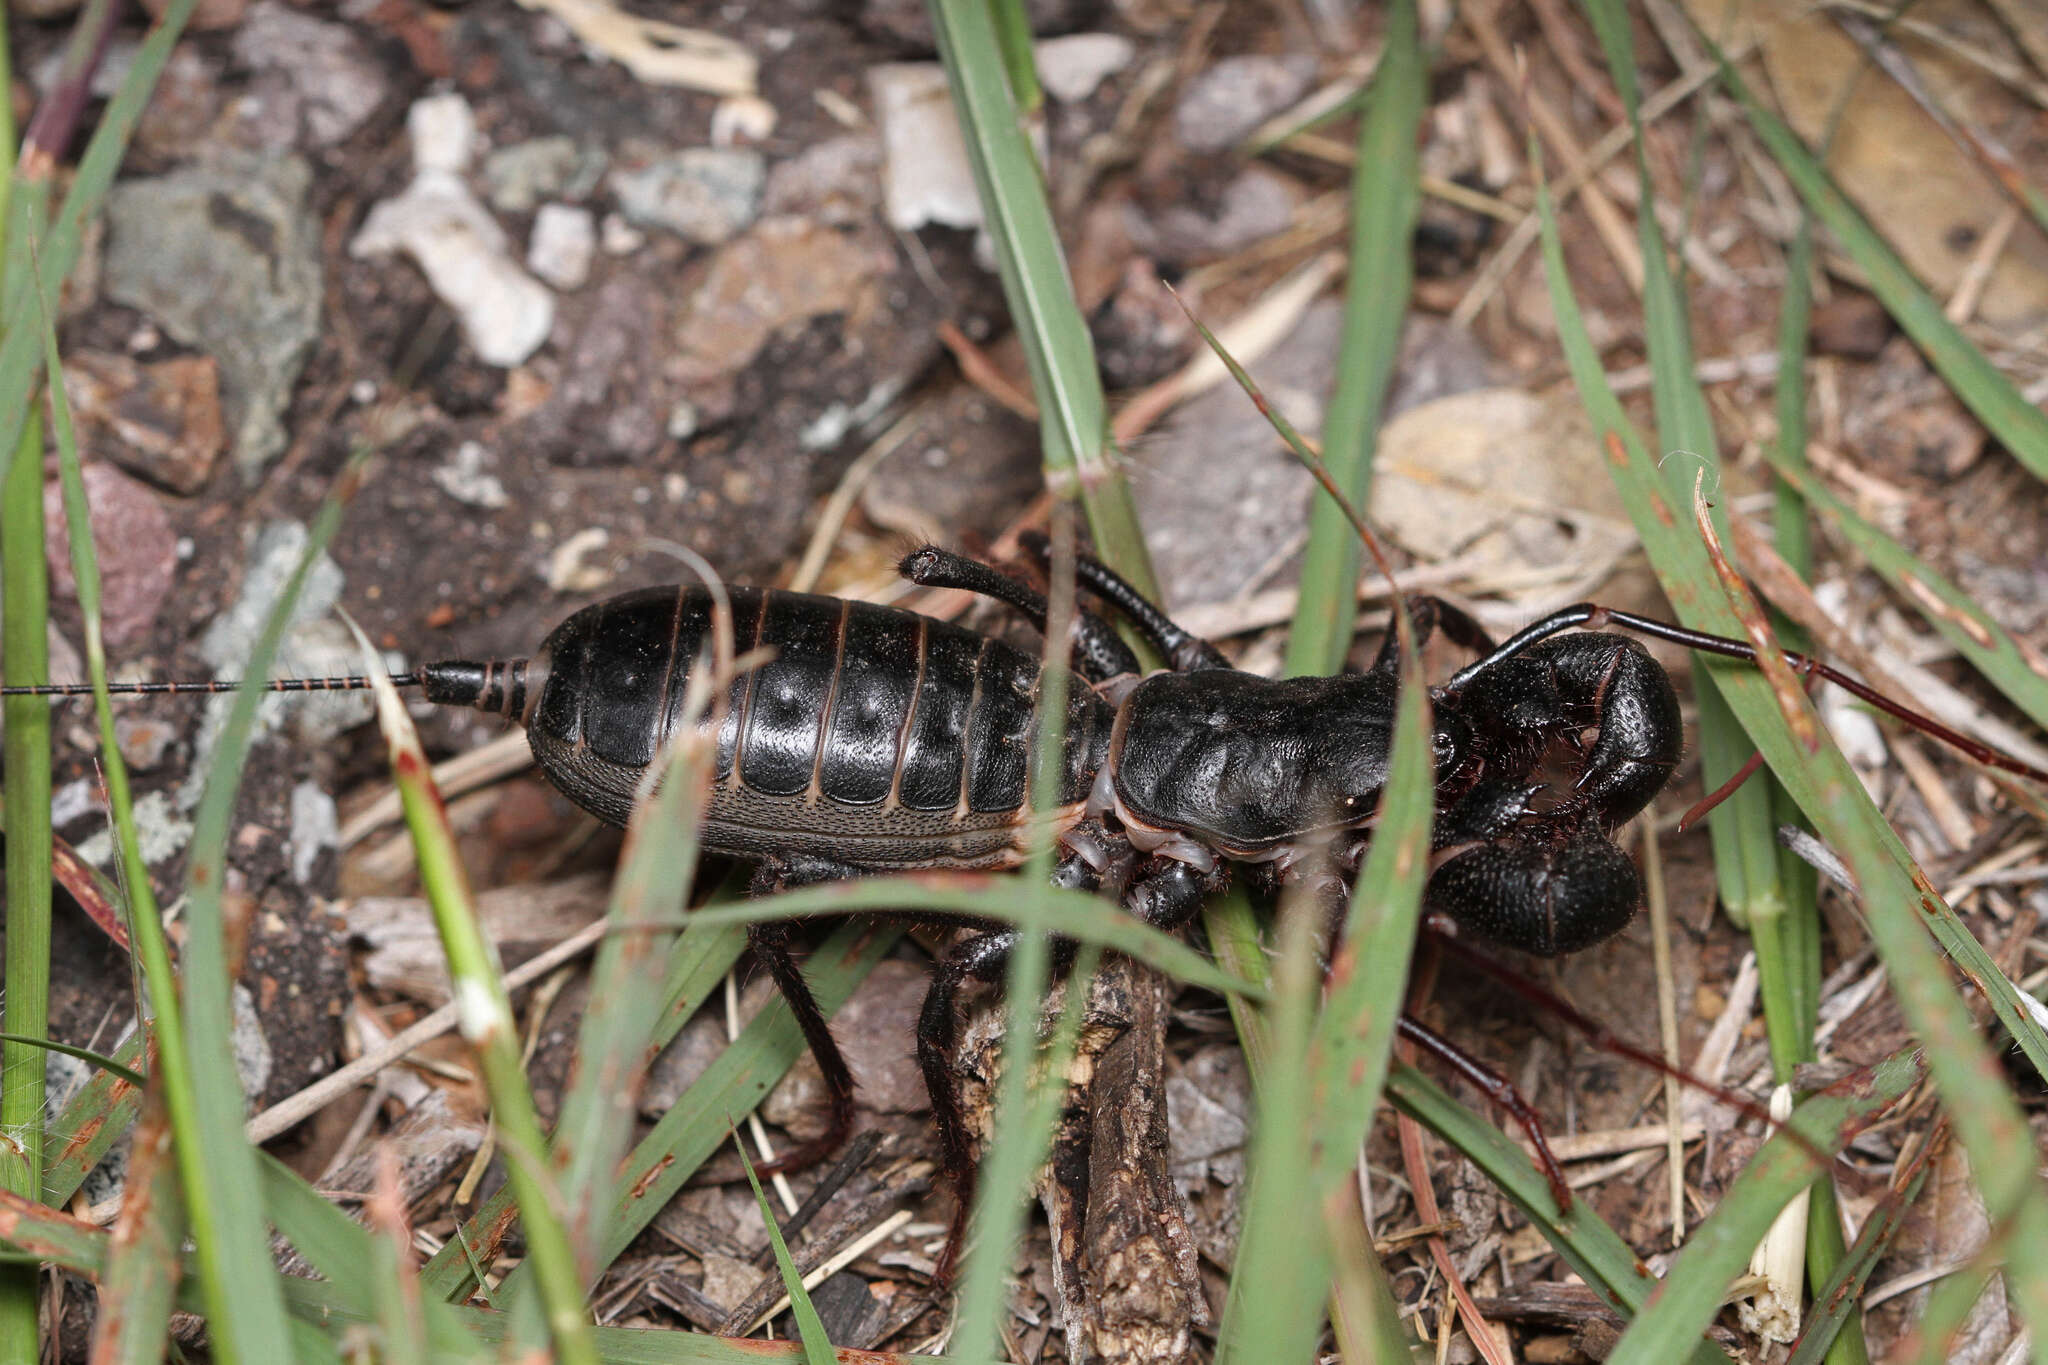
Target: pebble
column 464, row 479
column 1071, row 68
column 1222, row 105
column 143, row 740
column 160, row 833
column 782, row 272
column 563, row 244
column 313, row 79
column 837, row 182
column 506, row 314
column 705, row 195
column 316, row 827
column 161, row 422
column 926, row 176
column 619, row 237
column 519, row 177
column 138, row 551
column 224, row 256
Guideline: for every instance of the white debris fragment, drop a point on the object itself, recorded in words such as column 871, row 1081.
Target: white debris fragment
column 570, row 567
column 742, row 118
column 619, row 237
column 564, row 241
column 506, row 313
column 443, row 130
column 1071, row 67
column 315, row 826
column 464, row 479
column 926, row 177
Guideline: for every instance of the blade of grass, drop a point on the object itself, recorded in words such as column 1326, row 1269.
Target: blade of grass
column 91, row 1122
column 1074, row 415
column 1384, row 200
column 487, row 1025
column 1897, row 898
column 1718, row 1249
column 2019, row 426
column 733, row 1085
column 697, row 965
column 810, row 1327
column 142, row 1261
column 24, row 614
column 1013, row 900
column 612, row 1053
column 1992, row 650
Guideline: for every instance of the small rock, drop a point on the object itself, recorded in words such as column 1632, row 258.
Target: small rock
column 742, row 118
column 564, row 241
column 926, row 176
column 610, row 402
column 310, row 75
column 1225, row 103
column 138, row 551
column 727, row 1279
column 1255, row 205
column 161, row 422
column 315, row 828
column 463, row 478
column 251, row 1047
column 74, row 800
column 1070, row 68
column 143, row 740
column 517, row 178
column 705, row 195
column 619, row 237
column 785, row 270
column 223, row 256
column 837, row 182
column 160, row 833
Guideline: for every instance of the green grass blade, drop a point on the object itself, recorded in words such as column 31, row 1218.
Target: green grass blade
column 612, row 1053
column 731, row 1087
column 1045, row 909
column 1073, row 413
column 1835, row 1318
column 697, row 965
column 2007, row 664
column 142, row 1265
column 809, row 1326
column 1719, row 1248
column 2017, row 424
column 487, row 1024
column 1384, row 200
column 90, row 1123
column 1897, row 898
column 24, row 615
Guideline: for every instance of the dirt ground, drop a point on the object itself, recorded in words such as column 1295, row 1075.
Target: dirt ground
column 723, row 304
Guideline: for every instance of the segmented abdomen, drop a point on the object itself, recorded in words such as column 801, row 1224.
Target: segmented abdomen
column 873, row 736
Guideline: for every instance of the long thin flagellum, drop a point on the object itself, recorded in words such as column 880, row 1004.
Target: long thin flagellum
column 207, row 688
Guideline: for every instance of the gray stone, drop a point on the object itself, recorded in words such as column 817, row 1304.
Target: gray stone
column 1233, row 97
column 517, row 178
column 160, row 833
column 225, row 258
column 1070, row 68
column 316, row 827
column 563, row 243
column 705, row 195
column 311, row 76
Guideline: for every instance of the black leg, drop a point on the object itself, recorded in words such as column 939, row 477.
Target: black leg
column 1502, row 1092
column 1185, row 652
column 1098, row 654
column 770, row 942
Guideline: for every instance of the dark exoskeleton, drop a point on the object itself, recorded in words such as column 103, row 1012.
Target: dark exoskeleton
column 876, row 739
